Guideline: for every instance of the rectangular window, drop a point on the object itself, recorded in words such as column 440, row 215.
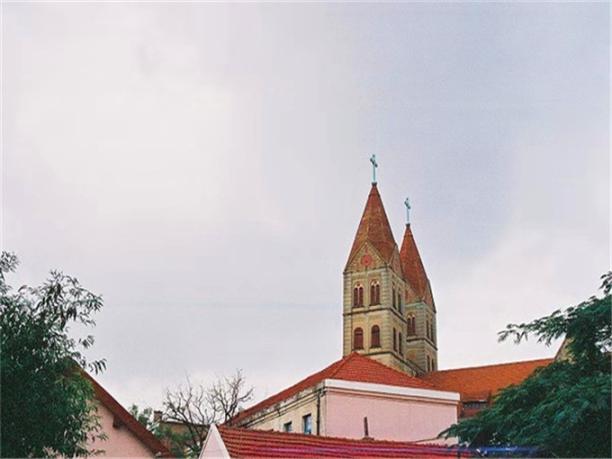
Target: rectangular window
column 287, row 427
column 307, row 424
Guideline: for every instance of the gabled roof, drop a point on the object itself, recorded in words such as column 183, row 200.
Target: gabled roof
column 246, row 443
column 353, row 367
column 412, row 266
column 126, row 419
column 374, row 228
column 480, row 383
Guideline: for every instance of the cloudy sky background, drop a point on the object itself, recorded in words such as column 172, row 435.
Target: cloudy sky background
column 205, row 166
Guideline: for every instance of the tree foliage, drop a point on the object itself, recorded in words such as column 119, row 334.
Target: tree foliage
column 563, row 409
column 174, row 439
column 47, row 406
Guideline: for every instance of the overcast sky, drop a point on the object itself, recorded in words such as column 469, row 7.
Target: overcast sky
column 204, row 167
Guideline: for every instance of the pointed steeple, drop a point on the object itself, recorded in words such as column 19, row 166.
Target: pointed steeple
column 374, row 228
column 414, row 271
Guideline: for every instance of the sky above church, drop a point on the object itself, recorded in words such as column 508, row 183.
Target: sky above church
column 204, row 167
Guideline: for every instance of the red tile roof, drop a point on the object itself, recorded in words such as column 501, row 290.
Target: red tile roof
column 246, row 443
column 353, row 367
column 140, row 432
column 479, row 383
column 374, row 228
column 414, row 271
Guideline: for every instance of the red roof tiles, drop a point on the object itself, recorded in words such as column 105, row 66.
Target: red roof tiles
column 353, row 367
column 246, row 443
column 414, row 271
column 374, row 228
column 126, row 419
column 479, row 383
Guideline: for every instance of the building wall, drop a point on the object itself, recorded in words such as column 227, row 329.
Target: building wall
column 389, row 418
column 292, row 410
column 420, row 346
column 120, row 442
column 384, row 314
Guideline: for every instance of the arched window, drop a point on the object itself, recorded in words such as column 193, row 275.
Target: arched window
column 433, row 365
column 411, row 327
column 358, row 296
column 375, row 338
column 427, row 329
column 393, row 296
column 432, row 331
column 401, row 347
column 399, row 301
column 394, row 340
column 374, row 292
column 428, row 364
column 358, row 339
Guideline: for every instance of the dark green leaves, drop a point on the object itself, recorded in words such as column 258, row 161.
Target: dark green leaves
column 563, row 409
column 47, row 406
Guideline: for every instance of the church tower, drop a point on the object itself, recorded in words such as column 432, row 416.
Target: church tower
column 388, row 309
column 420, row 311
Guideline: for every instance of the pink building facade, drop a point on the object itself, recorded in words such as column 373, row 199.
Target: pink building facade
column 125, row 436
column 393, row 413
column 357, row 397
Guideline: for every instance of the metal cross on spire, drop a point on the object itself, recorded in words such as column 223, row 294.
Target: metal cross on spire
column 374, row 166
column 407, row 204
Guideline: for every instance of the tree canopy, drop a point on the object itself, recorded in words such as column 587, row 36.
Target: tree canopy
column 47, row 405
column 563, row 409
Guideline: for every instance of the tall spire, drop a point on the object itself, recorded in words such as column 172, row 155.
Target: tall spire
column 374, row 228
column 412, row 266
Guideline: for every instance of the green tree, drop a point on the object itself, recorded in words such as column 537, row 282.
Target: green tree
column 563, row 409
column 47, row 405
column 175, row 439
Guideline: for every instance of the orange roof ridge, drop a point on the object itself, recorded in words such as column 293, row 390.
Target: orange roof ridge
column 405, row 376
column 227, row 428
column 353, row 367
column 374, row 228
column 516, row 362
column 244, row 442
column 342, row 362
column 487, row 379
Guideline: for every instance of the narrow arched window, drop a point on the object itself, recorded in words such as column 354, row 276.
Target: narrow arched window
column 394, row 340
column 358, row 296
column 374, row 292
column 393, row 296
column 433, row 365
column 375, row 338
column 358, row 339
column 427, row 329
column 428, row 364
column 401, row 347
column 411, row 326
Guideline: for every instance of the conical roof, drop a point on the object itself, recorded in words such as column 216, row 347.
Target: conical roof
column 374, row 228
column 412, row 266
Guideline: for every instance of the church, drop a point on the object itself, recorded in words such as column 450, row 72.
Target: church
column 387, row 385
